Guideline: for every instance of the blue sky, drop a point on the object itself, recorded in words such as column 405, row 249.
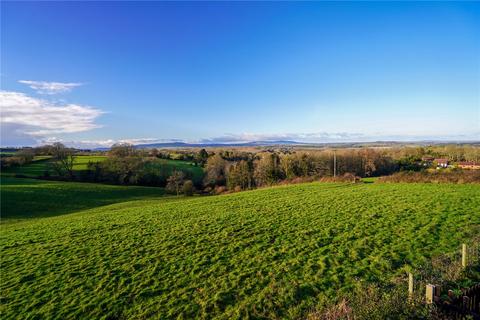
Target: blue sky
column 95, row 73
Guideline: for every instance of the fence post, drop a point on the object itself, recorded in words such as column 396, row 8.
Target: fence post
column 464, row 255
column 410, row 284
column 430, row 293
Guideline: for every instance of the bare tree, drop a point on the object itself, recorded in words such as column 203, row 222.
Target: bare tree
column 122, row 150
column 63, row 160
column 215, row 171
column 175, row 182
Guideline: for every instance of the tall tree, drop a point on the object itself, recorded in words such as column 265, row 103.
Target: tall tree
column 63, row 160
column 240, row 175
column 215, row 171
column 122, row 150
column 175, row 182
column 201, row 157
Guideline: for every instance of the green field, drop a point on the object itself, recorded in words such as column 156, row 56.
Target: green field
column 269, row 253
column 30, row 198
column 34, row 169
column 81, row 162
column 40, row 164
column 196, row 172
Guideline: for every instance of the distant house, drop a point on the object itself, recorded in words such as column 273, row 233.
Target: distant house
column 469, row 165
column 428, row 159
column 441, row 162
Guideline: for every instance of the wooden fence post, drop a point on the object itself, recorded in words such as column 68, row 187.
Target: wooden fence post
column 464, row 255
column 430, row 293
column 410, row 284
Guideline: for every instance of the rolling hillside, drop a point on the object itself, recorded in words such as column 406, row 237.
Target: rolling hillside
column 269, row 253
column 32, row 198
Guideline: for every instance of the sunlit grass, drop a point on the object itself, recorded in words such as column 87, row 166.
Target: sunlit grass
column 270, row 253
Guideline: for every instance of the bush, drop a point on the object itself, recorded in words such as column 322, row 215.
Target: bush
column 347, row 177
column 376, row 303
column 188, row 188
column 175, row 183
column 438, row 176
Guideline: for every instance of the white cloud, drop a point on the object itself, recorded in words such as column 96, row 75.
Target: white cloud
column 105, row 143
column 44, row 87
column 40, row 118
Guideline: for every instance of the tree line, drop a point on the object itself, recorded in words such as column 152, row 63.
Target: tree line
column 236, row 169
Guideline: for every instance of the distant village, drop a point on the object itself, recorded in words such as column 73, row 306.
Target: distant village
column 441, row 163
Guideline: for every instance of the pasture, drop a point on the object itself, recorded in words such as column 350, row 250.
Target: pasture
column 32, row 198
column 194, row 172
column 41, row 164
column 268, row 253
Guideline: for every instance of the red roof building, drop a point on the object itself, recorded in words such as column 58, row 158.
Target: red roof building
column 469, row 165
column 441, row 162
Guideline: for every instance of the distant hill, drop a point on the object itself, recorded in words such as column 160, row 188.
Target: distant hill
column 213, row 144
column 268, row 143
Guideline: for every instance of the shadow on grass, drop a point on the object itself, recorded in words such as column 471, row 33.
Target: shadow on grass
column 31, row 198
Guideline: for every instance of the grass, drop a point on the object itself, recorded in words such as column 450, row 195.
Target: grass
column 196, row 172
column 370, row 179
column 40, row 164
column 29, row 198
column 270, row 253
column 35, row 168
column 81, row 162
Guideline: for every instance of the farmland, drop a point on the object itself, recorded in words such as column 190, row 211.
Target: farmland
column 268, row 253
column 41, row 164
column 31, row 198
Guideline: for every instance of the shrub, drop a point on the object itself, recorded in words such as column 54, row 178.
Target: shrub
column 347, row 177
column 438, row 176
column 175, row 182
column 188, row 188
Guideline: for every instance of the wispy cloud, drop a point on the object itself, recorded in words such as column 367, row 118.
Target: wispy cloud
column 299, row 137
column 40, row 118
column 334, row 137
column 44, row 87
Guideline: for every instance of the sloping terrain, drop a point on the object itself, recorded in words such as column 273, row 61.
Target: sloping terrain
column 269, row 253
column 32, row 198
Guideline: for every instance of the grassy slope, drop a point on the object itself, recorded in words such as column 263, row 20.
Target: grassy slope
column 34, row 169
column 264, row 254
column 27, row 198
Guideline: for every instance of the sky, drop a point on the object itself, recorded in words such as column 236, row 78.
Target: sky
column 95, row 73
